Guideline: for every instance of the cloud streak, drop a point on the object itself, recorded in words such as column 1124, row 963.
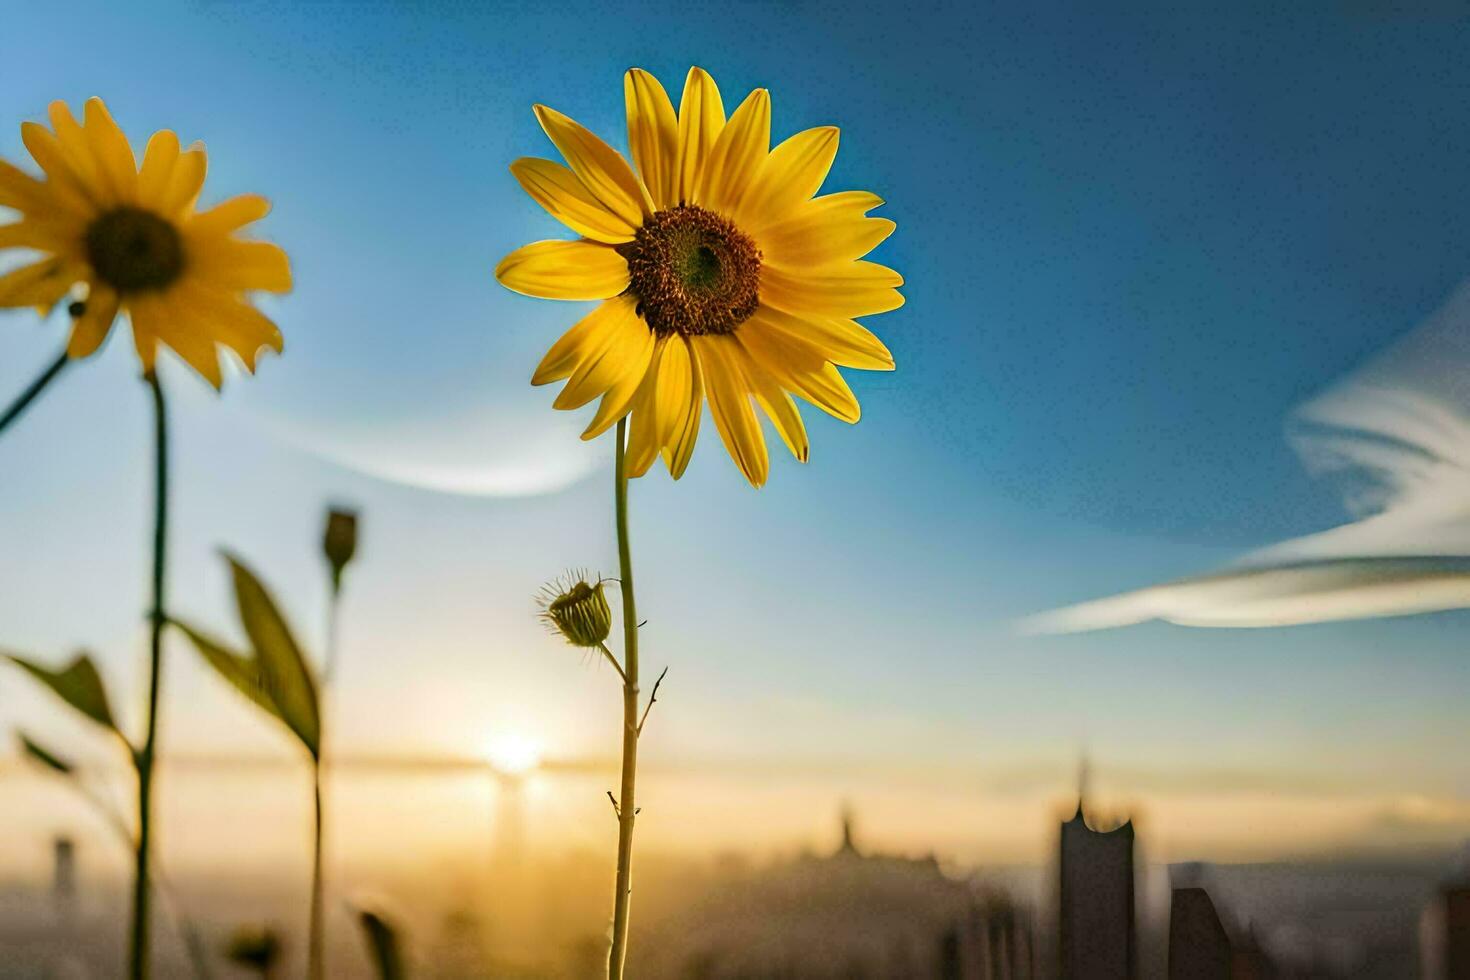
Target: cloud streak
column 1394, row 438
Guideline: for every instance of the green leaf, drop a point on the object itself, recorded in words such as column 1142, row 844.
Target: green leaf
column 78, row 684
column 242, row 672
column 383, row 945
column 46, row 758
column 283, row 669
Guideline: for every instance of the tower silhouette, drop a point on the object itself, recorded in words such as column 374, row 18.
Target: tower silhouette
column 1095, row 928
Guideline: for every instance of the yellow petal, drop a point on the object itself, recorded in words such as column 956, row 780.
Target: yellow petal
column 180, row 329
column 159, row 161
column 789, row 175
column 674, row 387
column 19, row 190
column 66, row 186
column 91, row 328
column 39, row 284
column 146, row 319
column 562, row 194
column 231, row 321
column 604, row 173
column 184, row 182
column 841, row 341
column 76, row 151
column 663, row 406
column 564, row 270
column 632, row 361
column 622, row 349
column 826, row 231
column 722, row 360
column 229, row 216
column 644, row 425
column 684, row 431
column 653, row 135
column 798, row 369
column 46, row 236
column 781, row 410
column 577, row 344
column 701, row 117
column 198, row 351
column 853, row 289
column 732, row 161
column 236, row 264
column 116, row 166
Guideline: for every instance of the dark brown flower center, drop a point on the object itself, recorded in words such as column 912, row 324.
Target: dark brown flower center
column 693, row 272
column 134, row 250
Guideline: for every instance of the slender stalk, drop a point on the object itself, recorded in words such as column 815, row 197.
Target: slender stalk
column 23, row 401
column 627, row 804
column 314, row 949
column 329, row 668
column 193, row 942
column 144, row 759
column 608, row 654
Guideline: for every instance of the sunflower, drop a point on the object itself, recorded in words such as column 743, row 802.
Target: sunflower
column 721, row 276
column 133, row 236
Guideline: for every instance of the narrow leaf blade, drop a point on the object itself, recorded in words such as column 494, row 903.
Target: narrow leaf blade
column 78, row 684
column 287, row 677
column 240, row 671
column 45, row 757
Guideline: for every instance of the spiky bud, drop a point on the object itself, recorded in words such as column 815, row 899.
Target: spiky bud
column 577, row 609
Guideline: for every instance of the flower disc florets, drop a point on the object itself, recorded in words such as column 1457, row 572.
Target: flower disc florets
column 693, row 272
column 134, row 250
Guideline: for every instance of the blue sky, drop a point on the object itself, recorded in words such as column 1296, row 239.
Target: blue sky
column 1132, row 242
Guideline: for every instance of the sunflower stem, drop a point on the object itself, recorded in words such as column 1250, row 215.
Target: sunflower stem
column 627, row 809
column 144, row 759
column 23, row 401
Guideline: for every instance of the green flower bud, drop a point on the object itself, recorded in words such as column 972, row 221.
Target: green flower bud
column 578, row 610
column 339, row 542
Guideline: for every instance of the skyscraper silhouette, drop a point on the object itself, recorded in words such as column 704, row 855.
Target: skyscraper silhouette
column 1199, row 947
column 1095, row 931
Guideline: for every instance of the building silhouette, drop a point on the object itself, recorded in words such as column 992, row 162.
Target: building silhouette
column 64, row 873
column 851, row 912
column 1096, row 935
column 1445, row 934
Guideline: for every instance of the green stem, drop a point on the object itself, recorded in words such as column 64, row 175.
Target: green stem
column 316, row 952
column 193, row 942
column 138, row 958
column 627, row 804
column 314, row 949
column 329, row 668
column 24, row 399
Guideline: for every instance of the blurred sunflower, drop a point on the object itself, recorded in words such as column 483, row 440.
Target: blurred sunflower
column 721, row 276
column 133, row 235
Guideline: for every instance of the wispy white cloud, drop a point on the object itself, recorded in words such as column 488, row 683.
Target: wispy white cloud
column 480, row 453
column 1394, row 437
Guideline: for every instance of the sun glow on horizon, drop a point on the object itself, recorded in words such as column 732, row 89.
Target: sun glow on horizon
column 512, row 753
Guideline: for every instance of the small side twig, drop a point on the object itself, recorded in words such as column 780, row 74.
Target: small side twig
column 614, row 801
column 652, row 697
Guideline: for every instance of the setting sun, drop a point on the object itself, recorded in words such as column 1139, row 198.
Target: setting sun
column 512, row 753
